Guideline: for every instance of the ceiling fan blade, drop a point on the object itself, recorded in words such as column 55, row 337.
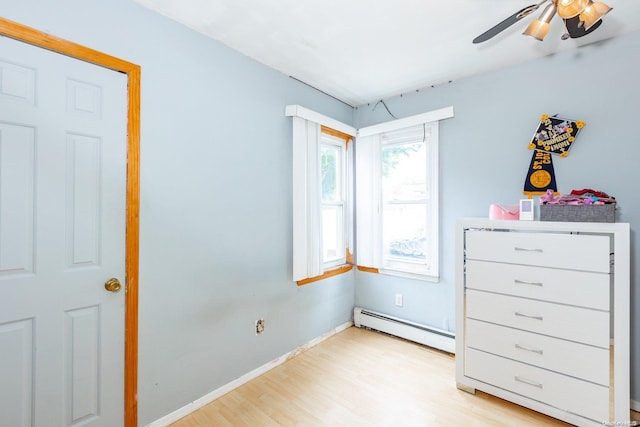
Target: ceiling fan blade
column 507, row 23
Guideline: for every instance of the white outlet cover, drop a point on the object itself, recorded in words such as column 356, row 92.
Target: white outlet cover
column 399, row 300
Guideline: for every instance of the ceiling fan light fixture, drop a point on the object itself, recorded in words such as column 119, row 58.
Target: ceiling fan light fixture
column 570, row 8
column 593, row 13
column 539, row 28
column 581, row 17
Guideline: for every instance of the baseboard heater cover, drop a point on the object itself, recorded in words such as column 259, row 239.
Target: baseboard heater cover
column 427, row 335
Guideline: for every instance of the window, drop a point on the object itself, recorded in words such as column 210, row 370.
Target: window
column 333, row 171
column 397, row 196
column 322, row 201
column 409, row 209
column 396, row 208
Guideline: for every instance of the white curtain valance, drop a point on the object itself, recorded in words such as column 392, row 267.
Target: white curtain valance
column 312, row 116
column 368, row 202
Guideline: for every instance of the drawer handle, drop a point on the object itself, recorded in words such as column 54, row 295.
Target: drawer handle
column 526, row 381
column 522, row 282
column 527, row 249
column 528, row 316
column 531, row 349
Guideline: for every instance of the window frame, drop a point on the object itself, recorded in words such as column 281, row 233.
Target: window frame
column 308, row 258
column 428, row 270
column 369, row 201
column 332, row 138
column 346, row 263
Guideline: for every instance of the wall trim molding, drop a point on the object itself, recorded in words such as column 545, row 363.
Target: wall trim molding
column 221, row 391
column 635, row 405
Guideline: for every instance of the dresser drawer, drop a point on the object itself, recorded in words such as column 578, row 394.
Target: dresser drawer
column 578, row 288
column 563, row 392
column 567, row 251
column 556, row 320
column 570, row 358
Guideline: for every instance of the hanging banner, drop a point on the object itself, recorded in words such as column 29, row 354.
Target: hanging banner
column 555, row 135
column 541, row 176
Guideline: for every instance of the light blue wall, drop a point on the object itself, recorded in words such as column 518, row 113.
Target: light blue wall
column 484, row 157
column 215, row 249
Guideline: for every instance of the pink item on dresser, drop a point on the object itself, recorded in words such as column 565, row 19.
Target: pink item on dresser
column 504, row 212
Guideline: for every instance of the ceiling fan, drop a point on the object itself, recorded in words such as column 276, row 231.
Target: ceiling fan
column 580, row 17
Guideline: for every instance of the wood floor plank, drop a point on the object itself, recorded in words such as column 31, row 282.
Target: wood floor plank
column 362, row 378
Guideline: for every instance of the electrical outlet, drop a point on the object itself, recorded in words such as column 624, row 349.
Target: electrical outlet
column 259, row 326
column 399, row 300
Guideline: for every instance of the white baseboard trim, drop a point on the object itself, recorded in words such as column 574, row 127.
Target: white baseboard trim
column 635, row 405
column 215, row 394
column 422, row 334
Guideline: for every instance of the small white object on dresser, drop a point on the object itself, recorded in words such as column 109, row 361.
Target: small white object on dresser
column 542, row 316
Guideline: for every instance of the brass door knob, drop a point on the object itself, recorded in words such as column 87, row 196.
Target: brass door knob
column 112, row 285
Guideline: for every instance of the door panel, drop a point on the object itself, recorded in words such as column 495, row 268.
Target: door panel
column 62, row 235
column 17, row 83
column 17, row 372
column 83, row 240
column 17, row 143
column 82, row 382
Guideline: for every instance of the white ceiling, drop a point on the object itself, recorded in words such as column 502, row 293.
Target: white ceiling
column 361, row 51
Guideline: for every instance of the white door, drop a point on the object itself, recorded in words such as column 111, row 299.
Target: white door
column 62, row 236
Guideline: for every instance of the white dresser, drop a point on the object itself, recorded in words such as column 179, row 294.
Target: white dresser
column 542, row 316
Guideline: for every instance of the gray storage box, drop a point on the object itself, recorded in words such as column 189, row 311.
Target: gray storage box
column 578, row 213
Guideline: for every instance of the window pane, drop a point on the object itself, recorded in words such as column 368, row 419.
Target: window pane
column 332, row 233
column 404, row 232
column 404, row 172
column 331, row 167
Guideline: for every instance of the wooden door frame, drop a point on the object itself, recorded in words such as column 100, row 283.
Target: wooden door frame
column 41, row 39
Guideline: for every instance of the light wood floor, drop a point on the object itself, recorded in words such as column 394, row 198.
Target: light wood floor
column 362, row 378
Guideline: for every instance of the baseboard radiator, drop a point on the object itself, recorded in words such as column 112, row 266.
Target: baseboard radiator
column 432, row 337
